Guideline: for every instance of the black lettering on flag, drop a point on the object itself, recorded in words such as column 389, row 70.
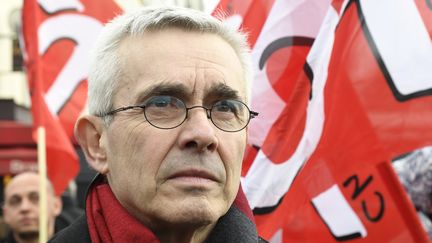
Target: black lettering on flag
column 357, row 187
column 380, row 211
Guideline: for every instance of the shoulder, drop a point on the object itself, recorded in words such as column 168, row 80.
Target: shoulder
column 76, row 232
column 9, row 239
column 234, row 226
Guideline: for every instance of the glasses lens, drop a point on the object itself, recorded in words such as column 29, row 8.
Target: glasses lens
column 230, row 115
column 164, row 111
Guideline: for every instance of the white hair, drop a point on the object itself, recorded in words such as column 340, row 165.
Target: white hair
column 106, row 69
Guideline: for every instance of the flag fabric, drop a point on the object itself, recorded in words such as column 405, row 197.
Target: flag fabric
column 394, row 80
column 340, row 92
column 57, row 37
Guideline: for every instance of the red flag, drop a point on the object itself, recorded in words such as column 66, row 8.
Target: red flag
column 393, row 78
column 319, row 155
column 57, row 38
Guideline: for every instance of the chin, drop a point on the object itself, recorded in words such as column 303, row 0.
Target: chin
column 196, row 213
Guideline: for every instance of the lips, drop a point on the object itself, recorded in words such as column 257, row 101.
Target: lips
column 193, row 174
column 27, row 221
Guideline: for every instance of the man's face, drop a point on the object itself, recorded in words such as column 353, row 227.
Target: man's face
column 21, row 207
column 189, row 174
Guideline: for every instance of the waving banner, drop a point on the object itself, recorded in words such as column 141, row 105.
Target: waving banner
column 340, row 87
column 57, row 37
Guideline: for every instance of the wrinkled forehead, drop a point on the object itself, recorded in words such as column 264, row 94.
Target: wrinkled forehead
column 196, row 65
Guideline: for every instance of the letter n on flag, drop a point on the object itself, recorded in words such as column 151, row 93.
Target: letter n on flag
column 342, row 87
column 57, row 37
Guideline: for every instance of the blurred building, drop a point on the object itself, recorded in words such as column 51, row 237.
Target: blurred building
column 18, row 151
column 17, row 148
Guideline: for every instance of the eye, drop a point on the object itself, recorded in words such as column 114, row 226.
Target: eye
column 159, row 101
column 34, row 197
column 14, row 201
column 229, row 106
column 163, row 102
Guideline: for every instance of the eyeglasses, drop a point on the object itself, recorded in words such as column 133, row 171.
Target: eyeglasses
column 168, row 112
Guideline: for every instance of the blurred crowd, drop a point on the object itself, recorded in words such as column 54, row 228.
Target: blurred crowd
column 415, row 173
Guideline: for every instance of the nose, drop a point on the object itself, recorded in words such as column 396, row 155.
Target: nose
column 26, row 204
column 198, row 132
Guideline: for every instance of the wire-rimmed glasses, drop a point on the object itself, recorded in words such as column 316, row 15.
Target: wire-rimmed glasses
column 168, row 112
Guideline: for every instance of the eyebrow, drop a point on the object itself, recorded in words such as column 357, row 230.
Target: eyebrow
column 177, row 90
column 222, row 91
column 217, row 91
column 15, row 196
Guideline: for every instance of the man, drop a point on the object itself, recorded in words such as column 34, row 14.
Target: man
column 21, row 208
column 168, row 89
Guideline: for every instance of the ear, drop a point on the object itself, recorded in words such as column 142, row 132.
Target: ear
column 89, row 132
column 57, row 205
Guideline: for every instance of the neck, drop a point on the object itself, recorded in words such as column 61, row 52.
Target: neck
column 31, row 237
column 185, row 234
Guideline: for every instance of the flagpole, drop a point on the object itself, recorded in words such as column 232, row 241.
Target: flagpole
column 41, row 150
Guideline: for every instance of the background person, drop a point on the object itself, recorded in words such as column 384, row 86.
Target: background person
column 21, row 208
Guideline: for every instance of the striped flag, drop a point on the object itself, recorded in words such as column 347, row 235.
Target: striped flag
column 340, row 87
column 57, row 36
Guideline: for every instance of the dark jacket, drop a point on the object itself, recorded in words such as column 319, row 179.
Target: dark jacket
column 76, row 232
column 9, row 239
column 70, row 212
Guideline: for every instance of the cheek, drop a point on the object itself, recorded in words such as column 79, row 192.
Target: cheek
column 231, row 151
column 8, row 216
column 135, row 155
column 127, row 147
column 232, row 155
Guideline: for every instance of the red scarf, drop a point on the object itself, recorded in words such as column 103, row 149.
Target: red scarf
column 109, row 222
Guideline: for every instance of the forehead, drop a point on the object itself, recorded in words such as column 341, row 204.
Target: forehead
column 22, row 186
column 197, row 61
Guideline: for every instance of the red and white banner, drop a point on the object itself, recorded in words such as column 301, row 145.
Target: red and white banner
column 341, row 87
column 57, row 37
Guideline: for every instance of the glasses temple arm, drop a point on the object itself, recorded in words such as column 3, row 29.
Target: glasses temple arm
column 253, row 114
